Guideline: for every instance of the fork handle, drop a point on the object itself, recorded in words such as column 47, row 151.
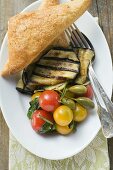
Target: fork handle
column 104, row 116
column 106, row 122
column 108, row 103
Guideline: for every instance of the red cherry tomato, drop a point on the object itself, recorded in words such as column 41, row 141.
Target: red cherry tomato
column 49, row 100
column 39, row 118
column 89, row 92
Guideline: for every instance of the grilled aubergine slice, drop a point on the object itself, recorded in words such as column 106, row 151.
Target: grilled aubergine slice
column 30, row 88
column 85, row 56
column 55, row 67
column 22, row 88
column 58, row 64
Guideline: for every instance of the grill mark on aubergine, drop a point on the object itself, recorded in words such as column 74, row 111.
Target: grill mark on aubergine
column 47, row 76
column 57, row 68
column 60, row 59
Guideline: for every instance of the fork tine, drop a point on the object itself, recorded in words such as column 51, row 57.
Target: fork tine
column 77, row 37
column 81, row 36
column 86, row 44
column 68, row 35
column 76, row 42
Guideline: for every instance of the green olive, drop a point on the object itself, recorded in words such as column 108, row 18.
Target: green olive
column 69, row 94
column 68, row 102
column 78, row 89
column 85, row 102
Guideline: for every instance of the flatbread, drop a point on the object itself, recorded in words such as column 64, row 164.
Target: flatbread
column 32, row 32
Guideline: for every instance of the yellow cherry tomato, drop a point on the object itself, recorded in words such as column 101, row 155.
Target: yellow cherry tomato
column 36, row 95
column 63, row 115
column 64, row 130
column 80, row 113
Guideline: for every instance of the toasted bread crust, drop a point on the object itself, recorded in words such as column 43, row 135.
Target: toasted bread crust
column 61, row 41
column 30, row 33
column 48, row 3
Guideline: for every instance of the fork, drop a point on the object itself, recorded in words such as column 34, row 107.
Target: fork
column 77, row 39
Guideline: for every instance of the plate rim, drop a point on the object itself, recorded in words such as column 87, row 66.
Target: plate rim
column 2, row 108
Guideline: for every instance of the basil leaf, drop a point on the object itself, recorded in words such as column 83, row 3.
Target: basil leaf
column 64, row 91
column 47, row 128
column 34, row 105
column 73, row 125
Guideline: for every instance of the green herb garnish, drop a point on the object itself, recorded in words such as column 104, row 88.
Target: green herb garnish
column 64, row 91
column 73, row 125
column 34, row 105
column 47, row 128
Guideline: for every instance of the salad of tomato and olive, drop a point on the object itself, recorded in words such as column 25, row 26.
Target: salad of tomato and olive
column 60, row 89
column 60, row 110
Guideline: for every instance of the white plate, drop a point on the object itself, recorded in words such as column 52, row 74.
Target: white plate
column 14, row 105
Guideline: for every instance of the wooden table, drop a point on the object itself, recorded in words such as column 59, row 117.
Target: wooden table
column 100, row 8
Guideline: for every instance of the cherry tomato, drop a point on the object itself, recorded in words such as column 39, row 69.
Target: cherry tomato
column 80, row 113
column 36, row 95
column 63, row 115
column 89, row 92
column 49, row 100
column 64, row 130
column 39, row 118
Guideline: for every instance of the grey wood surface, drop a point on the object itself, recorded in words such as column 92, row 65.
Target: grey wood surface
column 101, row 8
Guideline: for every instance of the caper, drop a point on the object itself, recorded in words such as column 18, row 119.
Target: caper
column 78, row 89
column 68, row 102
column 85, row 102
